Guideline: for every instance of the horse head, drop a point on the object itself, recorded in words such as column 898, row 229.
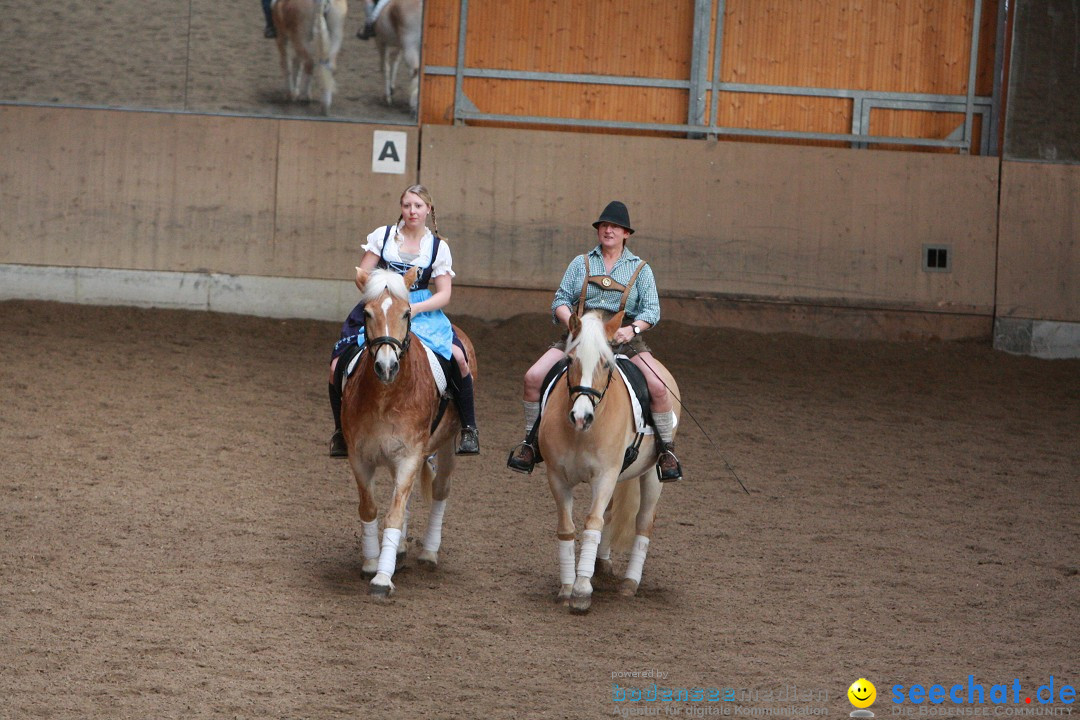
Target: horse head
column 387, row 318
column 591, row 364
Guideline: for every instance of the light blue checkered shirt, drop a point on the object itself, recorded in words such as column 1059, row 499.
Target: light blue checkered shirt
column 643, row 303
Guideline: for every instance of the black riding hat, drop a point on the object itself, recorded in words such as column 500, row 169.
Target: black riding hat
column 616, row 214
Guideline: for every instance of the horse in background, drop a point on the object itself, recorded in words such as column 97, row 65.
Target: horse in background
column 585, row 430
column 398, row 32
column 389, row 404
column 309, row 34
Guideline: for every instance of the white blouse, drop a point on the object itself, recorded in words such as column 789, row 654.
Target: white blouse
column 443, row 264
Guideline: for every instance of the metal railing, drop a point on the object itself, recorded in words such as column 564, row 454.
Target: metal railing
column 863, row 101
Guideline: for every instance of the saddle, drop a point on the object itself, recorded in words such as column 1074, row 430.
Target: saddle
column 350, row 358
column 638, row 386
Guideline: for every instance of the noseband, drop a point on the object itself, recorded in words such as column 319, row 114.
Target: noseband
column 399, row 345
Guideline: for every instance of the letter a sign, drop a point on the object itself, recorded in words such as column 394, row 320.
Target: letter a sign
column 388, row 152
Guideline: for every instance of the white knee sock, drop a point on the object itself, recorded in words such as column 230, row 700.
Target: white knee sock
column 532, row 411
column 665, row 424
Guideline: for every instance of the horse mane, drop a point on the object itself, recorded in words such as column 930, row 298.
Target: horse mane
column 590, row 346
column 384, row 280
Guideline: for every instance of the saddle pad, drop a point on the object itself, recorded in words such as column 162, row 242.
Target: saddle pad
column 433, row 361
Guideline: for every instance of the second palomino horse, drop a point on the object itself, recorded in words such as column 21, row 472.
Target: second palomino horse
column 585, row 430
column 398, row 31
column 390, row 416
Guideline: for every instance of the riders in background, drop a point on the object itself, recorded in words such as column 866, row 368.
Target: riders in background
column 398, row 247
column 605, row 272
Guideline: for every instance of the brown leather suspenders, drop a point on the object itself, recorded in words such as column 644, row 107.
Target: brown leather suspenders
column 606, row 282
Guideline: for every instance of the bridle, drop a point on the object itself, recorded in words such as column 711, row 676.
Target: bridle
column 400, row 346
column 591, row 394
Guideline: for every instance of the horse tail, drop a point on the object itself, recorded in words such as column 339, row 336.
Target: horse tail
column 624, row 509
column 321, row 42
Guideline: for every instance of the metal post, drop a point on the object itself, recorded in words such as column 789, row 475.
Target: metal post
column 718, row 51
column 459, row 92
column 970, row 101
column 699, row 54
column 990, row 143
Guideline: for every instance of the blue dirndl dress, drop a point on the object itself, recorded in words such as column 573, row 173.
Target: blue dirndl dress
column 432, row 327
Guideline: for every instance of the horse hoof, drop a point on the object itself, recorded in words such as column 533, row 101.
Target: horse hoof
column 428, row 560
column 628, row 587
column 381, row 587
column 604, row 569
column 580, row 604
column 563, row 596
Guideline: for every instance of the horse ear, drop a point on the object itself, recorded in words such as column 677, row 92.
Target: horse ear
column 410, row 276
column 362, row 278
column 614, row 324
column 574, row 325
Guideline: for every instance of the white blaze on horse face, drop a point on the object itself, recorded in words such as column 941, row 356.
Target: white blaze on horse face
column 582, row 411
column 385, row 356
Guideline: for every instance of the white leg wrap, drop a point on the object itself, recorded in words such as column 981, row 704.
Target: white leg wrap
column 369, row 540
column 637, row 558
column 590, row 539
column 566, row 562
column 433, row 534
column 391, row 537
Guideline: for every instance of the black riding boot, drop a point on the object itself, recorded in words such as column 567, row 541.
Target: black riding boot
column 469, row 443
column 337, row 440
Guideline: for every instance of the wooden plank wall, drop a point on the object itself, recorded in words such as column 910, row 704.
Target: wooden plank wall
column 1039, row 242
column 154, row 191
column 884, row 45
column 738, row 220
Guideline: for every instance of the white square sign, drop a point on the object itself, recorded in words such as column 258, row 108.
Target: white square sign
column 388, row 152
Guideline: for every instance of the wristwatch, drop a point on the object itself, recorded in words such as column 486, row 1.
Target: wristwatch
column 637, row 329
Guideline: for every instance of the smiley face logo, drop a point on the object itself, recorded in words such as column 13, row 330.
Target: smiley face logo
column 862, row 693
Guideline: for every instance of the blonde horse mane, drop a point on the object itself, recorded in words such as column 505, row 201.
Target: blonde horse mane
column 590, row 344
column 381, row 281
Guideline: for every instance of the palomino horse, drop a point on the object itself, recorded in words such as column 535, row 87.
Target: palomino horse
column 585, row 429
column 309, row 34
column 388, row 407
column 398, row 30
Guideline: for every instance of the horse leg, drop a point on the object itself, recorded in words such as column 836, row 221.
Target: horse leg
column 335, row 25
column 306, row 74
column 581, row 595
column 604, row 570
column 564, row 502
column 369, row 517
column 389, row 68
column 404, row 475
column 440, row 493
column 650, row 496
column 412, row 61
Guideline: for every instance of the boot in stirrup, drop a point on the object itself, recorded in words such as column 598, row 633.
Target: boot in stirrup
column 667, row 465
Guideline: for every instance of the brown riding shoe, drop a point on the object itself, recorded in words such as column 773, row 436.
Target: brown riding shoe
column 668, row 468
column 522, row 459
column 338, row 448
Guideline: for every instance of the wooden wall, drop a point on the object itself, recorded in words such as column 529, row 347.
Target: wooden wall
column 883, row 45
column 1039, row 256
column 732, row 220
column 768, row 237
column 153, row 191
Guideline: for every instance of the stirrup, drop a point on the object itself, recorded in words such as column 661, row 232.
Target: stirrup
column 522, row 458
column 366, row 32
column 469, row 443
column 669, row 474
column 338, row 448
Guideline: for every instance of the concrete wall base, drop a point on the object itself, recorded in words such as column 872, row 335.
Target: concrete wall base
column 1041, row 338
